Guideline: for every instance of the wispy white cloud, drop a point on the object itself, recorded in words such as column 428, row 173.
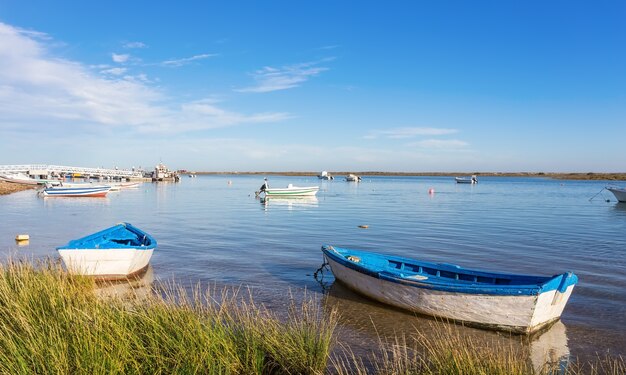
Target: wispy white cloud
column 273, row 79
column 114, row 71
column 186, row 60
column 121, row 58
column 440, row 144
column 40, row 92
column 133, row 45
column 408, row 132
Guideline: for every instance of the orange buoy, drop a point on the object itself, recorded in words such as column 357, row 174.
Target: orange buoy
column 364, row 226
column 431, row 191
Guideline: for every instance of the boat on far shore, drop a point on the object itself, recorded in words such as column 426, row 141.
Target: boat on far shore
column 466, row 180
column 620, row 193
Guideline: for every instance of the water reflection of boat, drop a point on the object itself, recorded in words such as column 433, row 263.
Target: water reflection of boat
column 292, row 202
column 363, row 321
column 550, row 348
column 136, row 286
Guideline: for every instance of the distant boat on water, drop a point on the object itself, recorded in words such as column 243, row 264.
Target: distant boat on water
column 620, row 194
column 353, row 178
column 501, row 301
column 115, row 252
column 325, row 176
column 466, row 180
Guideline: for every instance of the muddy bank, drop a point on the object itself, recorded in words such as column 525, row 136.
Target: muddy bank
column 9, row 187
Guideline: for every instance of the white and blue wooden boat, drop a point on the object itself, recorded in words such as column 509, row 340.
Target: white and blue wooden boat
column 620, row 194
column 115, row 252
column 509, row 302
column 466, row 180
column 75, row 191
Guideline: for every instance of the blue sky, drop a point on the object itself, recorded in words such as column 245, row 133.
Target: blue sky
column 327, row 85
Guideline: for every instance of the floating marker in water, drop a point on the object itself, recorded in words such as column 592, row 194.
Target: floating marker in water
column 22, row 237
column 431, row 191
column 364, row 226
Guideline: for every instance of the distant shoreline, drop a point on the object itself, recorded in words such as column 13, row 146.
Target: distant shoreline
column 558, row 176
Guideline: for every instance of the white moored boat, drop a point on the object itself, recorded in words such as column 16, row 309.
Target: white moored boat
column 291, row 191
column 353, row 178
column 620, row 194
column 502, row 301
column 115, row 252
column 466, row 180
column 325, row 176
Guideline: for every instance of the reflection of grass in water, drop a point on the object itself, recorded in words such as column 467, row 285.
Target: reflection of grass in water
column 54, row 323
column 447, row 351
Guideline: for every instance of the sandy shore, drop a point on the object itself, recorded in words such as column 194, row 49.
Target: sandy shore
column 8, row 187
column 560, row 176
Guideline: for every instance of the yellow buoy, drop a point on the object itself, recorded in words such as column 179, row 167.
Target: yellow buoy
column 22, row 237
column 364, row 226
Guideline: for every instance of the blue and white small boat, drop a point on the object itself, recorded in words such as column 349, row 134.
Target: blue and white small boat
column 509, row 302
column 75, row 191
column 115, row 252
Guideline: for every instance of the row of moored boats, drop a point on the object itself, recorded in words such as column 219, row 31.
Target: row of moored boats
column 60, row 188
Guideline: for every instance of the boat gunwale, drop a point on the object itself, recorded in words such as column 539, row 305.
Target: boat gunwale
column 558, row 282
column 131, row 228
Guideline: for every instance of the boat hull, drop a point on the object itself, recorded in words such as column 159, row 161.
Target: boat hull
column 518, row 314
column 115, row 252
column 464, row 180
column 620, row 194
column 76, row 192
column 106, row 263
column 292, row 192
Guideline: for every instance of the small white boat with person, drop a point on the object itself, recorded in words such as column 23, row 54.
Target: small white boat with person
column 502, row 301
column 466, row 180
column 353, row 178
column 115, row 252
column 620, row 194
column 289, row 191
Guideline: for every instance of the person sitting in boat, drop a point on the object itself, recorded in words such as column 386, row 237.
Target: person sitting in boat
column 265, row 186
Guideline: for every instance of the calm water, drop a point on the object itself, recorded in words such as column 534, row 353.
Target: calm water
column 216, row 232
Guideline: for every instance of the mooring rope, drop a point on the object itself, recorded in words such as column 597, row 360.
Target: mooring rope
column 598, row 193
column 319, row 275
